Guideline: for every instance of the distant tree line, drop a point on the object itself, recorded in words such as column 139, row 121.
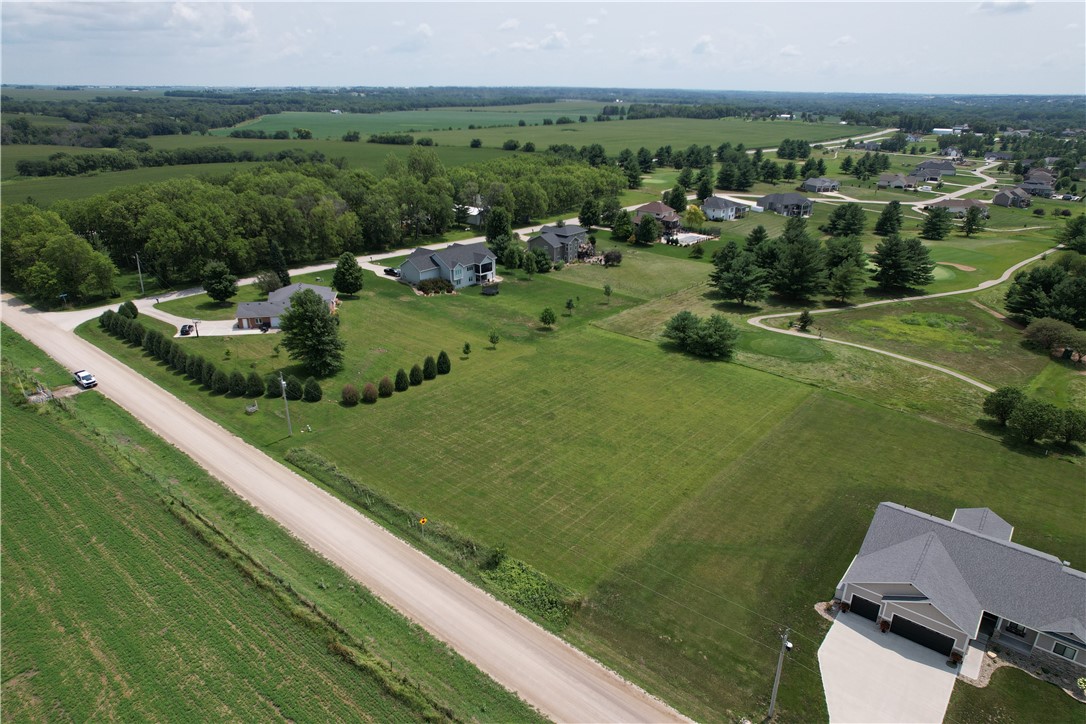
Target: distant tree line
column 74, row 164
column 276, row 216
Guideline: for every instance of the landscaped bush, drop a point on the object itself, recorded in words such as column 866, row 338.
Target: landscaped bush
column 713, row 337
column 416, row 375
column 402, row 381
column 207, row 374
column 254, row 385
column 311, row 391
column 106, row 318
column 220, row 382
column 350, row 395
column 238, row 387
column 384, row 387
column 294, row 388
column 612, row 257
column 272, row 387
column 194, row 364
column 369, row 393
column 436, row 286
column 429, row 368
column 444, row 364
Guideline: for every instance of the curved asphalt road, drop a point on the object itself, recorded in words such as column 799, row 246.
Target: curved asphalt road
column 759, row 321
column 560, row 681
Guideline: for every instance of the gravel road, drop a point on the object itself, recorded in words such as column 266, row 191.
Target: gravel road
column 560, row 681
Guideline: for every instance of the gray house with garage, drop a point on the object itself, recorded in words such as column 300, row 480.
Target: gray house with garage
column 254, row 315
column 461, row 264
column 790, row 204
column 721, row 209
column 945, row 583
column 561, row 243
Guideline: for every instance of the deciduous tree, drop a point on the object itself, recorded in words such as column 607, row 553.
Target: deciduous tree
column 1001, row 403
column 311, row 335
column 348, row 277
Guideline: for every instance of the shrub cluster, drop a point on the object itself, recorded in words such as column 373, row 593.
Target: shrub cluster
column 1035, row 420
column 68, row 164
column 713, row 337
column 436, row 286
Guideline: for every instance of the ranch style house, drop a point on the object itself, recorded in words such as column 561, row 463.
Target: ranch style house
column 461, row 264
column 790, row 204
column 945, row 583
column 253, row 315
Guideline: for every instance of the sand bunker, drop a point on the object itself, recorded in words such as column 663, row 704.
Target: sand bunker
column 959, row 267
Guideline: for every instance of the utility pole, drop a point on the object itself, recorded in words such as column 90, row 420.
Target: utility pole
column 290, row 429
column 139, row 271
column 786, row 645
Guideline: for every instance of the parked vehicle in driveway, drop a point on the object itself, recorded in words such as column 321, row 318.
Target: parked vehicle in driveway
column 392, row 271
column 85, row 379
column 186, row 330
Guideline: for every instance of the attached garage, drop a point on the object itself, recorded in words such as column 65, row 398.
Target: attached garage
column 922, row 635
column 864, row 607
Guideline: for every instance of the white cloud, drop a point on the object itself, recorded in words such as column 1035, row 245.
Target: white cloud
column 1005, row 6
column 592, row 21
column 790, row 50
column 843, row 40
column 555, row 41
column 418, row 39
column 703, row 46
column 647, row 55
column 212, row 24
column 510, row 24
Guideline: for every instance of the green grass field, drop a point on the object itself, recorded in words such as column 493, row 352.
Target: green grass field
column 117, row 608
column 1001, row 702
column 674, row 496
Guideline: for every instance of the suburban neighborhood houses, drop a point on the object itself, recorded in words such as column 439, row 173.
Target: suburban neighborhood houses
column 336, row 393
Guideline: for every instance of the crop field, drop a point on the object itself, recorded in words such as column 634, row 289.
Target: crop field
column 693, row 506
column 119, row 603
column 334, row 125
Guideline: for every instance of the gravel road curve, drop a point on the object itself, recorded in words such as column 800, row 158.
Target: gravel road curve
column 559, row 680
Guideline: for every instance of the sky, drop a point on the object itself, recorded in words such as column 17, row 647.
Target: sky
column 1013, row 47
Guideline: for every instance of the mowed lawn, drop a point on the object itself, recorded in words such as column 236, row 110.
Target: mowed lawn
column 694, row 506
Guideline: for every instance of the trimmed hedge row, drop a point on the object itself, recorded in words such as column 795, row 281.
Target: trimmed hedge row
column 370, row 393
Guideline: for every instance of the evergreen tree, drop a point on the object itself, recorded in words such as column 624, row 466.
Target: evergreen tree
column 902, row 263
column 742, row 280
column 800, row 271
column 218, row 282
column 444, row 364
column 705, row 188
column 238, row 386
column 889, row 220
column 973, row 221
column 429, row 368
column 254, row 385
column 402, row 380
column 845, row 279
column 311, row 390
column 846, row 248
column 278, row 264
column 348, row 277
column 590, row 213
column 648, row 230
column 676, row 198
column 937, row 224
column 295, row 389
column 845, row 220
column 416, row 376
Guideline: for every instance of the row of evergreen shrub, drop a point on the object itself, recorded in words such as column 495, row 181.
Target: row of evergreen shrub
column 370, row 392
column 204, row 371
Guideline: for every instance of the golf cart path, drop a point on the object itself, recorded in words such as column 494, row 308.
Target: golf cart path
column 560, row 681
column 759, row 321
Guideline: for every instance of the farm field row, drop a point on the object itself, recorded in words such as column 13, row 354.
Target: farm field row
column 119, row 603
column 676, row 497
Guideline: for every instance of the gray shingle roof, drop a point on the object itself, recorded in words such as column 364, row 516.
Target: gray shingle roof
column 555, row 236
column 716, row 202
column 283, row 294
column 965, row 572
column 983, row 521
column 466, row 254
column 788, row 199
column 248, row 310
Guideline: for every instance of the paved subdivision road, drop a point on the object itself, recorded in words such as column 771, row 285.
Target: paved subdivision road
column 560, row 681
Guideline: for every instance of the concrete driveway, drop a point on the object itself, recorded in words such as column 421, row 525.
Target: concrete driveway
column 874, row 677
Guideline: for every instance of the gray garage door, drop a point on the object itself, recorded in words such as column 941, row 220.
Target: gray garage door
column 867, row 609
column 922, row 635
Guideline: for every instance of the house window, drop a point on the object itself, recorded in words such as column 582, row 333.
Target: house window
column 1016, row 629
column 1065, row 651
